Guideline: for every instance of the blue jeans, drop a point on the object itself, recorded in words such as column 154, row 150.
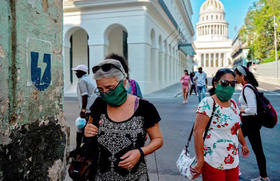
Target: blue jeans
column 201, row 92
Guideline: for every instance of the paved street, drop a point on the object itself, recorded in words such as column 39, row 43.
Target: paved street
column 176, row 123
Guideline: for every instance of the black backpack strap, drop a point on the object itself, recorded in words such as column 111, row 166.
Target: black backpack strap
column 207, row 127
column 251, row 87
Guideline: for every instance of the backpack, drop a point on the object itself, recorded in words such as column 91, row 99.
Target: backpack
column 265, row 111
column 133, row 87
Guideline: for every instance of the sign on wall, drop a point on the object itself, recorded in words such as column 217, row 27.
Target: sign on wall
column 39, row 63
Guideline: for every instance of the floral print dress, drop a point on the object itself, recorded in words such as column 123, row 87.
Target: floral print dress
column 221, row 143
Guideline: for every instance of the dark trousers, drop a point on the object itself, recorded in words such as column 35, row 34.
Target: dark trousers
column 251, row 128
column 193, row 88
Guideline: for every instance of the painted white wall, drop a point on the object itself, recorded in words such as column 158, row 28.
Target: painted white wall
column 151, row 64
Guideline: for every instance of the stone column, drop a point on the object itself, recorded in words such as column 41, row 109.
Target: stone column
column 67, row 70
column 214, row 65
column 161, row 68
column 139, row 56
column 31, row 91
column 155, row 69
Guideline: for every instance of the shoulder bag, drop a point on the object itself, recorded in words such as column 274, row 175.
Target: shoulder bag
column 185, row 161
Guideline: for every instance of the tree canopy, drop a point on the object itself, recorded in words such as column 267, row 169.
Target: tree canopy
column 258, row 28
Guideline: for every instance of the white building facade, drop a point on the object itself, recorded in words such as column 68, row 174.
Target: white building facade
column 154, row 35
column 240, row 52
column 212, row 46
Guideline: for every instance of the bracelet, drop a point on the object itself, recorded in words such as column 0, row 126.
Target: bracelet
column 141, row 153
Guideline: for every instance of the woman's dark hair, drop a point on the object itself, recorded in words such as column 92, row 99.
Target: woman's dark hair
column 250, row 78
column 186, row 71
column 120, row 59
column 192, row 74
column 217, row 78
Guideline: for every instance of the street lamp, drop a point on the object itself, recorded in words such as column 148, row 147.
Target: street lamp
column 275, row 46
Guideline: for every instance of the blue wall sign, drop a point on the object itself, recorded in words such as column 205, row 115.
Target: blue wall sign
column 40, row 78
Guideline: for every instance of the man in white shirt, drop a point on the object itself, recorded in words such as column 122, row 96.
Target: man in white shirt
column 201, row 83
column 85, row 91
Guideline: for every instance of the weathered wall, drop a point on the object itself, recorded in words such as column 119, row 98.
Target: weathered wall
column 32, row 129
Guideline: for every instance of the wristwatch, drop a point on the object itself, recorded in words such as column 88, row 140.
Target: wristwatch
column 83, row 110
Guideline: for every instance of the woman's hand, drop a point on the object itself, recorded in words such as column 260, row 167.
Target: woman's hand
column 242, row 110
column 245, row 151
column 90, row 130
column 197, row 169
column 130, row 159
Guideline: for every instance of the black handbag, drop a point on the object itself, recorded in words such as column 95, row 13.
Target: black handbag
column 84, row 160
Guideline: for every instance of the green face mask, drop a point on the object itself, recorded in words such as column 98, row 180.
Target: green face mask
column 224, row 93
column 115, row 97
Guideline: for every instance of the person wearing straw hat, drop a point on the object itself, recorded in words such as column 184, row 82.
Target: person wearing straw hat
column 86, row 96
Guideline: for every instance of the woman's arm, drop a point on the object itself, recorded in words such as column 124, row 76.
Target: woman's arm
column 201, row 122
column 156, row 139
column 242, row 141
column 132, row 157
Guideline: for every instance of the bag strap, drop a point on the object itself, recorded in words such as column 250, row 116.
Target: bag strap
column 136, row 104
column 256, row 92
column 133, row 87
column 206, row 129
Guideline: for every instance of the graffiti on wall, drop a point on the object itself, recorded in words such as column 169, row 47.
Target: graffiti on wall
column 39, row 63
column 40, row 77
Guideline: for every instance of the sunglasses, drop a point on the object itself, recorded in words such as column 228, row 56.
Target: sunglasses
column 105, row 67
column 226, row 83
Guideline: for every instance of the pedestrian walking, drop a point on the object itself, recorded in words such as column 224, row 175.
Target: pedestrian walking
column 132, row 86
column 123, row 121
column 86, row 96
column 201, row 83
column 251, row 123
column 217, row 155
column 185, row 81
column 193, row 84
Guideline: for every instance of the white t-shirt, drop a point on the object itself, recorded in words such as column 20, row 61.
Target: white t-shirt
column 86, row 86
column 251, row 105
column 201, row 77
column 221, row 143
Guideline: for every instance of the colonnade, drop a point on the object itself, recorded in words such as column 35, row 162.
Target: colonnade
column 212, row 30
column 212, row 59
column 165, row 68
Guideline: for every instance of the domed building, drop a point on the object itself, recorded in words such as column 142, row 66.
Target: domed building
column 212, row 46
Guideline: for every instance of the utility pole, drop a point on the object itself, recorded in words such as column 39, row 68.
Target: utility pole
column 275, row 44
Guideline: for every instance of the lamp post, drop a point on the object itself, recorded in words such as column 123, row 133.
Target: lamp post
column 275, row 46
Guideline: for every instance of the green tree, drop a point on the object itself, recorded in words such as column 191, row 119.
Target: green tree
column 258, row 28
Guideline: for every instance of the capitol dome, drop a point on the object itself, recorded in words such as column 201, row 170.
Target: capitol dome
column 212, row 46
column 212, row 24
column 212, row 5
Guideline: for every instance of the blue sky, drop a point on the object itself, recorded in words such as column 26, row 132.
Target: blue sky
column 236, row 11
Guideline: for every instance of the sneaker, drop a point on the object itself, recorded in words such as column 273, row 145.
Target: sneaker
column 260, row 179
